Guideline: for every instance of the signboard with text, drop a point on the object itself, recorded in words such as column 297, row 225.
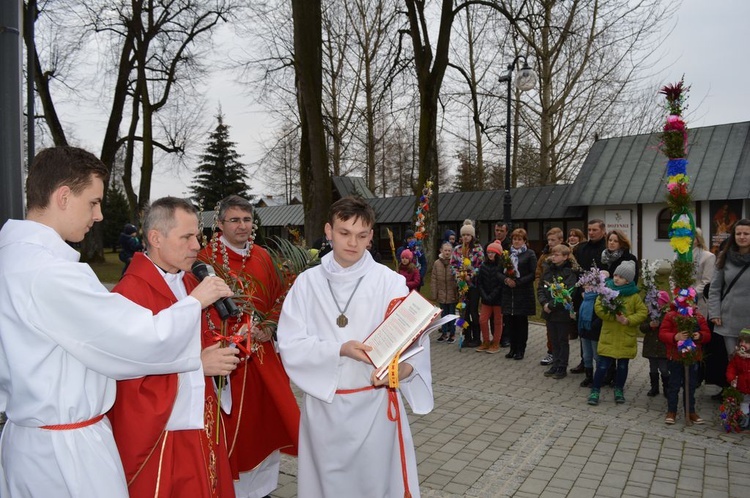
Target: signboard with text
column 619, row 219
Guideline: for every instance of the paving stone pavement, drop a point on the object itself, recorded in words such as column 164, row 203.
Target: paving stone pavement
column 500, row 428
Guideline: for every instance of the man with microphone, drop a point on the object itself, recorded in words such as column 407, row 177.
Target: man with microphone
column 165, row 426
column 64, row 339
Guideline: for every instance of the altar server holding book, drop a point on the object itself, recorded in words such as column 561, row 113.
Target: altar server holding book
column 354, row 435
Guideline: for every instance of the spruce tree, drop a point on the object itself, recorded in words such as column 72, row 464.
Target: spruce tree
column 220, row 173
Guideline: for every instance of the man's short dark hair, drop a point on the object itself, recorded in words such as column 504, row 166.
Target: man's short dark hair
column 597, row 221
column 159, row 215
column 55, row 167
column 352, row 206
column 501, row 224
column 234, row 201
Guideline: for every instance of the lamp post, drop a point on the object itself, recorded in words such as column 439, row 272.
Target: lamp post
column 525, row 81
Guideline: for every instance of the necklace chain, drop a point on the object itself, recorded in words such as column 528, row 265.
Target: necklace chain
column 342, row 321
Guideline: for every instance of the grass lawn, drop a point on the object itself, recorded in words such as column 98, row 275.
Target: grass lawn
column 109, row 272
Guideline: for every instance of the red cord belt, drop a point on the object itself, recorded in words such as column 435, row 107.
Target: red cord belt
column 394, row 415
column 76, row 425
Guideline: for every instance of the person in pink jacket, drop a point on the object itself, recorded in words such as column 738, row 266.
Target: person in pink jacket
column 409, row 270
column 738, row 373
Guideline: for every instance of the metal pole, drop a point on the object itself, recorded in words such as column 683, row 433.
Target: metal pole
column 30, row 72
column 508, row 201
column 11, row 138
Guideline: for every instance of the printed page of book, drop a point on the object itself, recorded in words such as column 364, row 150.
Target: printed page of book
column 400, row 328
column 418, row 346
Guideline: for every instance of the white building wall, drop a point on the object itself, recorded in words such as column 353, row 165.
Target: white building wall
column 652, row 247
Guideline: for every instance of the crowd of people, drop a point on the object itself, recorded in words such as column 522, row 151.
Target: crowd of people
column 168, row 387
column 497, row 287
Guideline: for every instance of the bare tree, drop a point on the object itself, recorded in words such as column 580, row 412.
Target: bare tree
column 589, row 54
column 279, row 165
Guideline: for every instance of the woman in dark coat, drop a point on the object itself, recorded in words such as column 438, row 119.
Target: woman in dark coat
column 617, row 251
column 519, row 300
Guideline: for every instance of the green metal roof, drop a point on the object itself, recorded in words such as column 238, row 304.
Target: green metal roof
column 631, row 170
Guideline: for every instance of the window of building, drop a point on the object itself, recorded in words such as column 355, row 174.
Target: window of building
column 662, row 223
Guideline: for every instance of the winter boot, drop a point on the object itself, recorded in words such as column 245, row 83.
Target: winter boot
column 589, row 378
column 654, row 377
column 578, row 369
column 664, row 384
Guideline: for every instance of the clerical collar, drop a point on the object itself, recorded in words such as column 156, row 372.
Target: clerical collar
column 179, row 273
column 241, row 251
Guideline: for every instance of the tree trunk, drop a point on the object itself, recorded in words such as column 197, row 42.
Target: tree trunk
column 315, row 177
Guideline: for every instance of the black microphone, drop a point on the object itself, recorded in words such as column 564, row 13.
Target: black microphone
column 225, row 306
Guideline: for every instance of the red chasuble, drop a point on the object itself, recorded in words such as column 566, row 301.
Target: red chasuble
column 265, row 415
column 181, row 463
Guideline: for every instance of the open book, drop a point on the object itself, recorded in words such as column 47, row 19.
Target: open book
column 412, row 318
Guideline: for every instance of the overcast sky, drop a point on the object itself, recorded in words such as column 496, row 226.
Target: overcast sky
column 708, row 45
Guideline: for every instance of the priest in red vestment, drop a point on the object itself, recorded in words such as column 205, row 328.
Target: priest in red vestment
column 264, row 419
column 165, row 425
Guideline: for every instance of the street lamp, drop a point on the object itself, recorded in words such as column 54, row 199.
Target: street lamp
column 525, row 81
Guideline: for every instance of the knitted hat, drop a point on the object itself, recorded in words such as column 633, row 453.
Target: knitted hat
column 495, row 247
column 662, row 298
column 626, row 270
column 744, row 336
column 448, row 234
column 129, row 229
column 408, row 234
column 468, row 228
column 406, row 253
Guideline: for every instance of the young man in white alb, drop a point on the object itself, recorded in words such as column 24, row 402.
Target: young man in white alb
column 353, row 440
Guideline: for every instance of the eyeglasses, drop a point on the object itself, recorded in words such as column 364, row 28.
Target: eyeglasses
column 236, row 221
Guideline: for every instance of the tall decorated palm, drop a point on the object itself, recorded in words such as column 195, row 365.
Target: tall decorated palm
column 674, row 140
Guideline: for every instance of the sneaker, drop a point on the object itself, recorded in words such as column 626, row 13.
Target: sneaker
column 451, row 340
column 483, row 347
column 593, row 397
column 547, row 360
column 552, row 371
column 494, row 348
column 560, row 374
column 669, row 419
column 441, row 338
column 619, row 397
column 696, row 419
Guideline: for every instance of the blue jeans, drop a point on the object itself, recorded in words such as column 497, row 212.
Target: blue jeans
column 676, row 381
column 448, row 329
column 590, row 355
column 603, row 364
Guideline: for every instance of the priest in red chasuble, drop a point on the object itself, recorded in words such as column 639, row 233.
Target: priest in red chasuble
column 264, row 419
column 165, row 426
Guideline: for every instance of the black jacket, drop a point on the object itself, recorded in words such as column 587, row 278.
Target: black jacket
column 550, row 274
column 626, row 256
column 590, row 252
column 520, row 300
column 490, row 283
